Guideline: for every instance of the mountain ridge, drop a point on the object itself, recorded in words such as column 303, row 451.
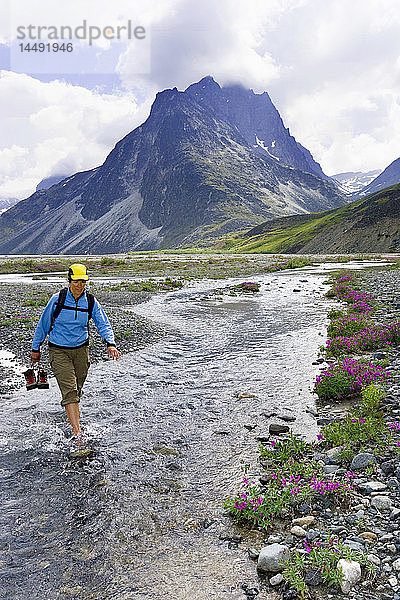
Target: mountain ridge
column 389, row 176
column 186, row 173
column 370, row 224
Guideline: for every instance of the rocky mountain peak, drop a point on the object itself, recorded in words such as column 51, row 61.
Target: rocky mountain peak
column 208, row 160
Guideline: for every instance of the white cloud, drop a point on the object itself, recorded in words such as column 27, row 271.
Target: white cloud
column 208, row 38
column 51, row 128
column 339, row 84
column 331, row 68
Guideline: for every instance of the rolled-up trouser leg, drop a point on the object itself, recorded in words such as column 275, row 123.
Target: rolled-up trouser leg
column 81, row 364
column 70, row 367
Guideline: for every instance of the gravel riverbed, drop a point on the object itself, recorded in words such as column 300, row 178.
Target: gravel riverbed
column 370, row 520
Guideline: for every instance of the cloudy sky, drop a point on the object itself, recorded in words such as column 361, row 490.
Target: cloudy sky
column 331, row 67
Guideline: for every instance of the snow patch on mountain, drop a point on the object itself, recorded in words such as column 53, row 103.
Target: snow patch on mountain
column 351, row 182
column 261, row 143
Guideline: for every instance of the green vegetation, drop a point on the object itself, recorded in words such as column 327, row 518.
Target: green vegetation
column 363, row 427
column 38, row 300
column 354, row 331
column 151, row 285
column 284, row 238
column 291, row 263
column 348, row 377
column 321, row 558
column 284, row 451
column 290, row 234
column 292, row 478
column 33, row 265
column 19, row 319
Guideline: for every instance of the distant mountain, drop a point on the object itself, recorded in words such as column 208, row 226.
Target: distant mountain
column 207, row 161
column 6, row 203
column 47, row 183
column 390, row 176
column 351, row 182
column 371, row 224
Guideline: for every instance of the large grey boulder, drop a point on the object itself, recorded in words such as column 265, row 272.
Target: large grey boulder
column 272, row 558
column 381, row 502
column 351, row 574
column 371, row 486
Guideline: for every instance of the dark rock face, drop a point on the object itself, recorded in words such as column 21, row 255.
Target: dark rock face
column 207, row 161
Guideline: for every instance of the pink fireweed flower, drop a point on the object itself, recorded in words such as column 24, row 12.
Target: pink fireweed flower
column 320, row 436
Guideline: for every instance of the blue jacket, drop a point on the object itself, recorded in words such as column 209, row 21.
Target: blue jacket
column 70, row 328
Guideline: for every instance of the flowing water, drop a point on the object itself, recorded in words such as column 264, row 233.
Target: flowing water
column 143, row 517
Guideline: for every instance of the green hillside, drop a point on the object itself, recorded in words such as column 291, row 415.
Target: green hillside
column 370, row 224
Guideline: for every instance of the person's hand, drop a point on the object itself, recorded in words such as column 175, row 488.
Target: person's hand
column 35, row 356
column 113, row 353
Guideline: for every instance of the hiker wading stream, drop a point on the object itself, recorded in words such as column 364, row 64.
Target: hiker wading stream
column 172, row 425
column 66, row 320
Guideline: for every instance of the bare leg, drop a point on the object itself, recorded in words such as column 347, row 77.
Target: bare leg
column 72, row 411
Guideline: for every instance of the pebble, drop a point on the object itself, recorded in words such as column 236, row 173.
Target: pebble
column 356, row 546
column 396, row 565
column 369, row 536
column 304, row 521
column 253, row 553
column 330, row 469
column 276, row 579
column 274, row 539
column 287, row 418
column 313, row 534
column 272, row 558
column 334, row 451
column 374, row 559
column 298, row 531
column 372, row 486
column 361, row 461
column 313, row 578
column 277, row 428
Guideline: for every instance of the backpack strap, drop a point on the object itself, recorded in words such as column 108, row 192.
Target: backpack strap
column 60, row 303
column 90, row 301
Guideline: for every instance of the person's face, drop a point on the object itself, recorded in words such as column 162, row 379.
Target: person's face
column 77, row 287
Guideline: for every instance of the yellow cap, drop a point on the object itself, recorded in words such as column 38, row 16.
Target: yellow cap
column 78, row 271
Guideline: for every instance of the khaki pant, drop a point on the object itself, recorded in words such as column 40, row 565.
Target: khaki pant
column 70, row 367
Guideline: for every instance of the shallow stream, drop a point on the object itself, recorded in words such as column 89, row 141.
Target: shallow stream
column 143, row 518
